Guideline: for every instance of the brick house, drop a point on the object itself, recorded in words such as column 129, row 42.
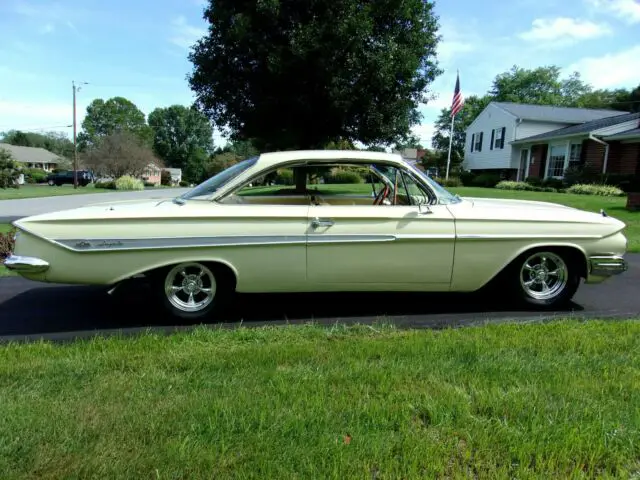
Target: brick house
column 543, row 141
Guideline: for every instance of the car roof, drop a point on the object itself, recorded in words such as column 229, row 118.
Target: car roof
column 274, row 158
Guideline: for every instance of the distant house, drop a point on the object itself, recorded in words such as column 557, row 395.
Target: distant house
column 412, row 155
column 33, row 157
column 542, row 141
column 176, row 174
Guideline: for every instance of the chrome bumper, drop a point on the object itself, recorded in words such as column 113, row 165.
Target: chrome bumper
column 604, row 266
column 22, row 264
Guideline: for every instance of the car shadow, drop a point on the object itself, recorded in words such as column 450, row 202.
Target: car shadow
column 79, row 308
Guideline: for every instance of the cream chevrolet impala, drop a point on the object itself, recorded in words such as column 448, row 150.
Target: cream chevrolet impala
column 320, row 221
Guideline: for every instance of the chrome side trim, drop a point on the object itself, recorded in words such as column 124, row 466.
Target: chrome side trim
column 19, row 263
column 607, row 265
column 119, row 244
column 520, row 236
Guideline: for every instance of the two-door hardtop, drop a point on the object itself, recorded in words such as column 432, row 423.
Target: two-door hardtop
column 251, row 228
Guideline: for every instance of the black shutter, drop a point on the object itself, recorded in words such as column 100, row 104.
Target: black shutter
column 493, row 133
column 504, row 131
column 481, row 135
column 473, row 140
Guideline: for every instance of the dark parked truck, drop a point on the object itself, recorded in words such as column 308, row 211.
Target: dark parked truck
column 60, row 178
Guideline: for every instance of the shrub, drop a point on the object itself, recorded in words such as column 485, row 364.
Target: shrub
column 8, row 170
column 184, row 183
column 553, row 183
column 594, row 189
column 466, row 177
column 7, row 243
column 149, row 184
column 535, row 181
column 341, row 175
column 165, row 178
column 109, row 184
column 34, row 175
column 511, row 185
column 450, row 182
column 127, row 182
column 487, row 180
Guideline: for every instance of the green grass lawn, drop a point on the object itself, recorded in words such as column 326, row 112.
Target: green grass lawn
column 34, row 191
column 555, row 400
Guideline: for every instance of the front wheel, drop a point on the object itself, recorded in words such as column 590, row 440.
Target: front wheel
column 544, row 278
column 191, row 290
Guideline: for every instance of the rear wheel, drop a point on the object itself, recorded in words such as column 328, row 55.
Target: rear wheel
column 544, row 278
column 191, row 290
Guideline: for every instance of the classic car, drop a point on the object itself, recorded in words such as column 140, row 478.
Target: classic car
column 321, row 221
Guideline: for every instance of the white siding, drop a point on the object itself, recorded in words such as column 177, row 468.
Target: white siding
column 490, row 118
column 528, row 128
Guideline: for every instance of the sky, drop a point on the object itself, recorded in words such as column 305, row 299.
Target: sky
column 139, row 49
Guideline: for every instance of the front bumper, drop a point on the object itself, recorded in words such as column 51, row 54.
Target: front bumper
column 22, row 264
column 602, row 267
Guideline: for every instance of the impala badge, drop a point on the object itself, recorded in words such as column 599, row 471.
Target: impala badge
column 83, row 244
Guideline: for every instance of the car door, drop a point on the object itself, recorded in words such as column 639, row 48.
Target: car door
column 390, row 245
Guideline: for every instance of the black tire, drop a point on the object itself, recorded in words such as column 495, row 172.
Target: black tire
column 197, row 278
column 528, row 275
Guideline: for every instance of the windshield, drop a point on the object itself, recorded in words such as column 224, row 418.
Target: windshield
column 445, row 197
column 213, row 184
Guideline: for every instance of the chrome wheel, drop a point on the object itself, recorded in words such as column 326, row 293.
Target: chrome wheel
column 544, row 275
column 190, row 287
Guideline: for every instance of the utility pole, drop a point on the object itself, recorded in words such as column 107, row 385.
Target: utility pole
column 75, row 146
column 75, row 141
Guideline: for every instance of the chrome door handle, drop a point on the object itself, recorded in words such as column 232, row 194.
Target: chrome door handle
column 321, row 222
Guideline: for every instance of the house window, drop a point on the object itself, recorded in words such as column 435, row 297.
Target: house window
column 497, row 138
column 574, row 154
column 476, row 144
column 557, row 157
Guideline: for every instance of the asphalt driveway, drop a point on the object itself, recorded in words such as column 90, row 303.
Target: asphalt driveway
column 11, row 210
column 30, row 311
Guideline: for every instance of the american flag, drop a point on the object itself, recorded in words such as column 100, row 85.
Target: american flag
column 458, row 101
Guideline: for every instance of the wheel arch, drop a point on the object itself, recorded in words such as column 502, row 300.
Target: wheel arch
column 575, row 252
column 223, row 266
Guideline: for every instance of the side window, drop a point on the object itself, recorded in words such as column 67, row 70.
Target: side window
column 410, row 191
column 278, row 182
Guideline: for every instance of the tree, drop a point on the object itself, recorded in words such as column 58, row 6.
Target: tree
column 8, row 170
column 120, row 153
column 181, row 135
column 442, row 127
column 297, row 75
column 105, row 118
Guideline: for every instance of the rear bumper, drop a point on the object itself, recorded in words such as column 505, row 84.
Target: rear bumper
column 22, row 264
column 602, row 267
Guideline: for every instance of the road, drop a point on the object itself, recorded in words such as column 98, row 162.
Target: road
column 11, row 210
column 31, row 311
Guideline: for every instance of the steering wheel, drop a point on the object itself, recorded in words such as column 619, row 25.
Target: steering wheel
column 384, row 193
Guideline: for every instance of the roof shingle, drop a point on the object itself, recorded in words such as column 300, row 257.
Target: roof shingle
column 582, row 128
column 30, row 154
column 551, row 113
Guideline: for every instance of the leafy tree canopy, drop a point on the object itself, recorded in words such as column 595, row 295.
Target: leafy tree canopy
column 301, row 74
column 181, row 135
column 116, row 114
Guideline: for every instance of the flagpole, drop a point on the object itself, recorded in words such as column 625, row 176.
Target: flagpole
column 453, row 117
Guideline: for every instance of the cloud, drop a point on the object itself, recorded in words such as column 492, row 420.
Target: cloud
column 184, row 34
column 564, row 30
column 35, row 115
column 611, row 70
column 48, row 28
column 627, row 10
column 50, row 15
column 455, row 42
column 424, row 132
